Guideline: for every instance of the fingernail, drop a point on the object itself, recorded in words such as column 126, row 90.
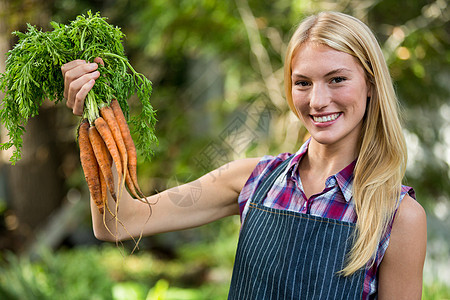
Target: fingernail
column 92, row 66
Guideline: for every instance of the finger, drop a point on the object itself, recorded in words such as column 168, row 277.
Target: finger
column 68, row 73
column 74, row 87
column 81, row 96
column 70, row 65
column 77, row 77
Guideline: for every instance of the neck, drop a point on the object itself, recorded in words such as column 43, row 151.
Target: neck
column 329, row 159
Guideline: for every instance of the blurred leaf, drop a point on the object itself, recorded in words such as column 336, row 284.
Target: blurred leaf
column 159, row 291
column 128, row 291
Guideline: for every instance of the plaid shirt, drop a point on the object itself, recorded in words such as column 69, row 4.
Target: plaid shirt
column 334, row 202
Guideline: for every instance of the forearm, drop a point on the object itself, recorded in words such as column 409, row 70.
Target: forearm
column 211, row 197
column 162, row 213
column 129, row 217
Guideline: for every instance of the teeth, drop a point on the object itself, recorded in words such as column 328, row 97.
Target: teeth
column 326, row 118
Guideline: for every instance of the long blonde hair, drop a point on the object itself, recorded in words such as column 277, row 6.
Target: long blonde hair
column 382, row 155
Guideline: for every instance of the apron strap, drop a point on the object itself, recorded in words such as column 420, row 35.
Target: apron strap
column 264, row 188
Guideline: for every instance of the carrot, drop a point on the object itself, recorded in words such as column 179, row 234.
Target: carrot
column 105, row 133
column 131, row 149
column 130, row 186
column 104, row 188
column 98, row 145
column 90, row 166
column 108, row 115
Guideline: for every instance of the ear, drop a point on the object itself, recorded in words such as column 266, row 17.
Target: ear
column 369, row 90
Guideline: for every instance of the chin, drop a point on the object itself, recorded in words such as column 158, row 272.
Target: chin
column 325, row 141
column 335, row 138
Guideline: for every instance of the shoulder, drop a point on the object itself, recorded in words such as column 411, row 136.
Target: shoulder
column 409, row 229
column 269, row 163
column 410, row 220
column 263, row 167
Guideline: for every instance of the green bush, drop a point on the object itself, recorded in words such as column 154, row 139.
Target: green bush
column 61, row 275
column 97, row 273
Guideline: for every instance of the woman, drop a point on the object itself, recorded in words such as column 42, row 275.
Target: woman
column 331, row 221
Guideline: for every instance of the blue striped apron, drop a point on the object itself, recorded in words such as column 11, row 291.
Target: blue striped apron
column 288, row 255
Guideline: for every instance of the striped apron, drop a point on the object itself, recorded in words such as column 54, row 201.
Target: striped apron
column 288, row 255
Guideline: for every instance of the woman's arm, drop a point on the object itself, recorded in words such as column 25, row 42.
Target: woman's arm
column 211, row 197
column 402, row 265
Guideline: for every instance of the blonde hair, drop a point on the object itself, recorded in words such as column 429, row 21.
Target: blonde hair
column 382, row 157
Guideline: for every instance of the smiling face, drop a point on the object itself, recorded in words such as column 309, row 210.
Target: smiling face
column 329, row 93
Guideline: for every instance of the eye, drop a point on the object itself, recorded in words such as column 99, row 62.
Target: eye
column 338, row 79
column 301, row 83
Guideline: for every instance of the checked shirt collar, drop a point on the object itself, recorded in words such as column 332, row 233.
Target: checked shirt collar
column 343, row 178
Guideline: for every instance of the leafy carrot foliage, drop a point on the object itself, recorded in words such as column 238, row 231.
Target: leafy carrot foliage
column 33, row 74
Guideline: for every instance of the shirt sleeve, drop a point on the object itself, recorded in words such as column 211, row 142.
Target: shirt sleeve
column 267, row 164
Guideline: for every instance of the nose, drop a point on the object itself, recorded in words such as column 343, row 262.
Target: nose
column 319, row 97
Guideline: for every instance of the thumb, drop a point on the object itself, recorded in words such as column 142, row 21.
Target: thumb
column 99, row 61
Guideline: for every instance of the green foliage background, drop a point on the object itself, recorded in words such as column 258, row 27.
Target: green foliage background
column 216, row 68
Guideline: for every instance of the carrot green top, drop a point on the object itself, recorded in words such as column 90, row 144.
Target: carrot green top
column 33, row 73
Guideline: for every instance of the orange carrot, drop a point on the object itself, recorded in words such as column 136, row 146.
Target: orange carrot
column 103, row 188
column 131, row 149
column 130, row 186
column 105, row 133
column 98, row 145
column 108, row 115
column 90, row 166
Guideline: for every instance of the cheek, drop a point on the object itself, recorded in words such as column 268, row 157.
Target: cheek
column 354, row 99
column 301, row 108
column 298, row 100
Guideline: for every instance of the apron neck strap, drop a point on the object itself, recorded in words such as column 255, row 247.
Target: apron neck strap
column 264, row 188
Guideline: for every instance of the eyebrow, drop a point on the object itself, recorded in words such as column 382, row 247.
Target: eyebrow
column 332, row 72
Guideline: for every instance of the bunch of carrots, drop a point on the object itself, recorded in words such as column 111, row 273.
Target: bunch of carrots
column 104, row 141
column 33, row 74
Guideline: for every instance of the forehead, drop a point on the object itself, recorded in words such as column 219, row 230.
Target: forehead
column 315, row 57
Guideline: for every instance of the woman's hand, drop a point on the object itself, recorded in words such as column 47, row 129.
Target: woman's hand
column 79, row 78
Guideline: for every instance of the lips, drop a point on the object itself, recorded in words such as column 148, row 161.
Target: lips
column 325, row 118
